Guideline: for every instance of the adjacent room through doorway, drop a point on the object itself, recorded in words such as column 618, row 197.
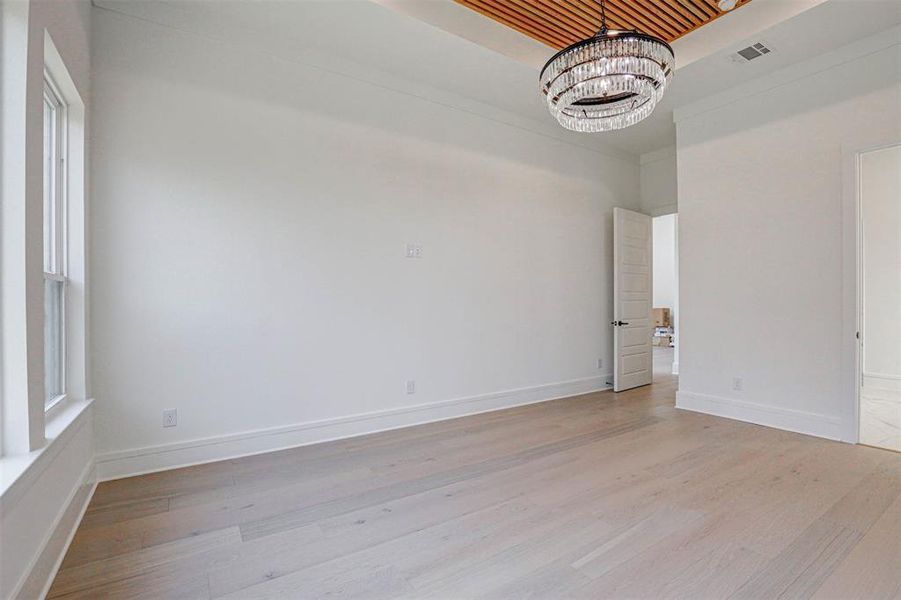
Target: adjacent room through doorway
column 880, row 298
column 666, row 294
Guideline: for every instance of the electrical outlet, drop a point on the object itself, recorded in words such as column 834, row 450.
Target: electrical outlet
column 738, row 384
column 411, row 387
column 170, row 417
column 413, row 251
column 600, row 363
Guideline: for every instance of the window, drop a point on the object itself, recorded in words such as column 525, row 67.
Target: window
column 55, row 125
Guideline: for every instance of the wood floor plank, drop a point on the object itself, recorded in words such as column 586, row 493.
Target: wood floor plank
column 387, row 521
column 236, row 505
column 110, row 514
column 635, row 538
column 417, row 551
column 601, row 495
column 98, row 573
column 800, row 569
column 87, row 547
column 298, row 518
column 871, row 569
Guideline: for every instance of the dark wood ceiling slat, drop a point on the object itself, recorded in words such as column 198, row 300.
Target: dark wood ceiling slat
column 559, row 23
column 687, row 15
column 569, row 13
column 699, row 9
column 709, row 7
column 640, row 20
column 653, row 9
column 536, row 14
column 553, row 17
column 574, row 6
column 667, row 26
column 711, row 4
column 551, row 30
column 522, row 25
column 614, row 20
column 669, row 13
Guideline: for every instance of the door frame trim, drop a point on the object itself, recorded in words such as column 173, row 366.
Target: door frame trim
column 852, row 285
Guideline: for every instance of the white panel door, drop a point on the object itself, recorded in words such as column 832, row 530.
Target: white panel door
column 632, row 299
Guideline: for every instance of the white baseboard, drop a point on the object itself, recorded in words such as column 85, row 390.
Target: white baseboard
column 882, row 381
column 115, row 465
column 815, row 424
column 42, row 571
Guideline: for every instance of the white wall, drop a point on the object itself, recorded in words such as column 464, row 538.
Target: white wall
column 659, row 191
column 250, row 216
column 664, row 228
column 46, row 465
column 880, row 200
column 761, row 224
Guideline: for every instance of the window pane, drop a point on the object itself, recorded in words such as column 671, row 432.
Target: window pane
column 54, row 341
column 49, row 186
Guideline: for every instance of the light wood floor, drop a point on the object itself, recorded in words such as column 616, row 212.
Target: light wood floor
column 597, row 496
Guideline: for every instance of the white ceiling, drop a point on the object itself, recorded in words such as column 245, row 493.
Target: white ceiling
column 403, row 44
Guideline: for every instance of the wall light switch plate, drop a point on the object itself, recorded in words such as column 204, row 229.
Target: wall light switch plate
column 170, row 417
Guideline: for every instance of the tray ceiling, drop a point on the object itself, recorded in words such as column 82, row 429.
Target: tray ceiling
column 559, row 23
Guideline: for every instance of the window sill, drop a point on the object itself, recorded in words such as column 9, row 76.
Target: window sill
column 18, row 473
column 54, row 407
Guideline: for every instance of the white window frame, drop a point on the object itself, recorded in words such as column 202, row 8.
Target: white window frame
column 56, row 270
column 29, row 423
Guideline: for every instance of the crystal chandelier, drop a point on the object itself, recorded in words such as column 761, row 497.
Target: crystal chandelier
column 610, row 81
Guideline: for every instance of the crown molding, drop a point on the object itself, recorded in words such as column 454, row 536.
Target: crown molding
column 791, row 74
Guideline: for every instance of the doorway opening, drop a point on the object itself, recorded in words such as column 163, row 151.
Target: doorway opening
column 879, row 297
column 665, row 297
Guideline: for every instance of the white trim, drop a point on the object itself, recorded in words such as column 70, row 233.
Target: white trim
column 18, row 473
column 657, row 155
column 885, row 376
column 59, row 268
column 852, row 303
column 91, row 480
column 675, row 368
column 820, row 425
column 881, row 381
column 60, row 152
column 136, row 461
column 73, row 223
column 46, row 551
column 662, row 210
column 57, row 401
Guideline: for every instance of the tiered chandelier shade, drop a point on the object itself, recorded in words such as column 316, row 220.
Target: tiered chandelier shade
column 610, row 81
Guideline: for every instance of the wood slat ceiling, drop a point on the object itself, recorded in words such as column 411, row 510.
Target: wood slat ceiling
column 559, row 23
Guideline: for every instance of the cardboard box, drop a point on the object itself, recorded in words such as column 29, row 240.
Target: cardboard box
column 661, row 317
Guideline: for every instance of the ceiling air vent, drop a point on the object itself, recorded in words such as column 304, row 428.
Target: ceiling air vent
column 751, row 52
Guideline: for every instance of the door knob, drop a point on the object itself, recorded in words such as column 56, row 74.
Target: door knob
column 618, row 323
